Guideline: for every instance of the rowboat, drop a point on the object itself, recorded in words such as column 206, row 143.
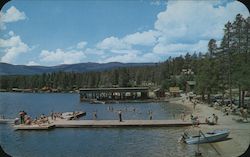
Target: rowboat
column 213, row 136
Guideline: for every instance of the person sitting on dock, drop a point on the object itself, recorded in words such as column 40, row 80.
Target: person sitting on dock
column 16, row 121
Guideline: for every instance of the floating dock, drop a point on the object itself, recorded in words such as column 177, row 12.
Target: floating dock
column 33, row 127
column 104, row 124
column 117, row 123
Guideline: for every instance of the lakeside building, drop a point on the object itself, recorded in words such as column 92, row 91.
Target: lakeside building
column 126, row 93
column 175, row 91
column 190, row 85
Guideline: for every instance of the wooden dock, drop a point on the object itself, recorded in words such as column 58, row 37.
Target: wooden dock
column 116, row 123
column 104, row 124
column 33, row 127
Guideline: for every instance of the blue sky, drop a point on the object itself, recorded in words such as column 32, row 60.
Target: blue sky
column 65, row 32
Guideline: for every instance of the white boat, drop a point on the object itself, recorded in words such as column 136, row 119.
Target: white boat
column 72, row 115
column 213, row 136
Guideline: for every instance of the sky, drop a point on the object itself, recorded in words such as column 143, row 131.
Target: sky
column 58, row 32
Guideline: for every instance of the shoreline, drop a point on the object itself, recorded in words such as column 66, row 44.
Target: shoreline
column 239, row 137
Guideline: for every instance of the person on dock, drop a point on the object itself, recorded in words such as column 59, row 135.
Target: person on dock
column 16, row 121
column 52, row 115
column 120, row 115
column 21, row 114
column 150, row 115
column 95, row 115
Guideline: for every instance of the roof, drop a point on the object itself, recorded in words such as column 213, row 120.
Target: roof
column 191, row 82
column 127, row 89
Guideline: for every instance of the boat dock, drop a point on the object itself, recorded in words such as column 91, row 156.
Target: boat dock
column 117, row 123
column 105, row 124
column 33, row 127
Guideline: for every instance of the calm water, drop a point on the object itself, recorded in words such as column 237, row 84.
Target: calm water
column 67, row 142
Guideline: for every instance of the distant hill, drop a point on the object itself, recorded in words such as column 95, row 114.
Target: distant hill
column 9, row 69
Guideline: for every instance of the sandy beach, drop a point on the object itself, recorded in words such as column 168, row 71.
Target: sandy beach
column 239, row 138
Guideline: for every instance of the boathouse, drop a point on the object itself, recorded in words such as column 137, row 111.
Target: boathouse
column 126, row 93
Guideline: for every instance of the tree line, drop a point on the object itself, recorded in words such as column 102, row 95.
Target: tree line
column 223, row 67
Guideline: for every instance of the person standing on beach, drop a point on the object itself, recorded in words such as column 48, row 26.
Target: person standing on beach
column 215, row 119
column 120, row 115
column 182, row 116
column 194, row 103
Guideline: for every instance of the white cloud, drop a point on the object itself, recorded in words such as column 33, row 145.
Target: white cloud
column 60, row 56
column 147, row 38
column 186, row 26
column 32, row 63
column 113, row 43
column 12, row 48
column 180, row 48
column 191, row 21
column 158, row 2
column 81, row 45
column 11, row 15
column 93, row 51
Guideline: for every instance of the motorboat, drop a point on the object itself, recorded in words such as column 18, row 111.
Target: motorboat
column 212, row 136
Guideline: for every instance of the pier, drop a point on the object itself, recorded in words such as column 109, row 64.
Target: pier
column 105, row 124
column 117, row 123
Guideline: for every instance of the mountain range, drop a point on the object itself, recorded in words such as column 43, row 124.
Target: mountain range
column 10, row 69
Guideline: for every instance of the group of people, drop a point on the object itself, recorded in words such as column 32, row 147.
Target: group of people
column 55, row 115
column 243, row 112
column 25, row 119
column 213, row 120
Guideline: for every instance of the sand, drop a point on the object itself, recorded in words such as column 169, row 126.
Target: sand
column 239, row 138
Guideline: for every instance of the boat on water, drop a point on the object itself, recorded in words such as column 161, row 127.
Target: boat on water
column 97, row 102
column 72, row 115
column 212, row 136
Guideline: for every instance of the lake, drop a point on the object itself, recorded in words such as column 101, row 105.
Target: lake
column 88, row 142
